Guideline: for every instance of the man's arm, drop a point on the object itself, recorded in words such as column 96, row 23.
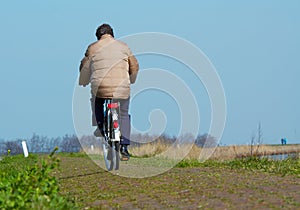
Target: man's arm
column 133, row 68
column 84, row 60
column 84, row 69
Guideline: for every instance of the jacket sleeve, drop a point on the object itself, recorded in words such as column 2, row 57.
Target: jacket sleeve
column 133, row 68
column 84, row 69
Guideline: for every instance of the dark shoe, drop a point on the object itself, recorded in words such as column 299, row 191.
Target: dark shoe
column 124, row 153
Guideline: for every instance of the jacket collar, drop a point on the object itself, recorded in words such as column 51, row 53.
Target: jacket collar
column 106, row 36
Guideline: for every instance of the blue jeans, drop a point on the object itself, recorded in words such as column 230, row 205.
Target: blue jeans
column 124, row 117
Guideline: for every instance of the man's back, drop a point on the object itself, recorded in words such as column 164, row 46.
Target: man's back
column 110, row 69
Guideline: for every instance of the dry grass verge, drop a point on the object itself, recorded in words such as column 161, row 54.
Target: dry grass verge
column 192, row 152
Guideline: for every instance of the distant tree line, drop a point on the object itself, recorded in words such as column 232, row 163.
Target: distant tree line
column 204, row 140
column 41, row 144
column 70, row 143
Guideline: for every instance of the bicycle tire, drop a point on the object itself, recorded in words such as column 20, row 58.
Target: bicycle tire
column 111, row 146
column 117, row 155
column 105, row 148
column 111, row 155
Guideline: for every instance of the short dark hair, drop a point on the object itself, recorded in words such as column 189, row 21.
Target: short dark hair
column 104, row 29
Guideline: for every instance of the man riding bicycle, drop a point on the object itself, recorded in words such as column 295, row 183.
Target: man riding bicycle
column 110, row 67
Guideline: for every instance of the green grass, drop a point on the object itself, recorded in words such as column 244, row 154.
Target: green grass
column 72, row 154
column 12, row 164
column 289, row 166
column 27, row 183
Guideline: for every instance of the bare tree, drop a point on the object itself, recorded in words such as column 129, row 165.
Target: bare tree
column 38, row 144
column 252, row 142
column 87, row 141
column 70, row 144
column 255, row 143
column 206, row 140
column 14, row 147
column 259, row 137
column 1, row 147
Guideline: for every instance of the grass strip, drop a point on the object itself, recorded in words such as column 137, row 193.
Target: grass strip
column 289, row 166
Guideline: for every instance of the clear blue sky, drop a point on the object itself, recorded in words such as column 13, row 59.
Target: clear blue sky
column 253, row 45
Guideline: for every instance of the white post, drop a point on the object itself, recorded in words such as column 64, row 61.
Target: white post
column 92, row 148
column 25, row 150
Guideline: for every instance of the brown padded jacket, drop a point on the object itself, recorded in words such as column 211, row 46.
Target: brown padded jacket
column 110, row 67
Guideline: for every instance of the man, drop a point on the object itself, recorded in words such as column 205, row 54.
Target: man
column 110, row 67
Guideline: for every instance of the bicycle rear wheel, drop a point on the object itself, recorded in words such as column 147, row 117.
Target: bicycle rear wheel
column 111, row 155
column 116, row 155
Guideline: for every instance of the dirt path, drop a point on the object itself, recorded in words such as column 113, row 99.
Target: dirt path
column 179, row 188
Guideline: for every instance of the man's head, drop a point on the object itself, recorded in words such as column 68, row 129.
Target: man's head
column 104, row 29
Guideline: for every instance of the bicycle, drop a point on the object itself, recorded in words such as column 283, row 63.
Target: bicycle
column 112, row 135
